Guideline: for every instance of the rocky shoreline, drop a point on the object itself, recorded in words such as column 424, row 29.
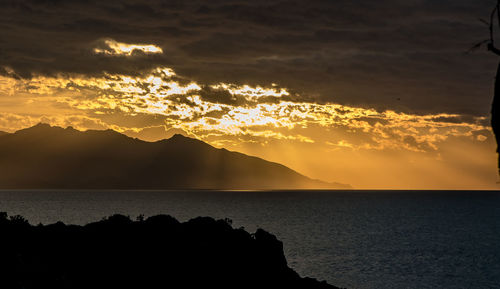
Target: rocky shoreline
column 157, row 252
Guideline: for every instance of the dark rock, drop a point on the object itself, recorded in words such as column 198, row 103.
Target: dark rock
column 158, row 252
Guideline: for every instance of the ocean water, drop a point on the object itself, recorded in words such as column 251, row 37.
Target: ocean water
column 352, row 239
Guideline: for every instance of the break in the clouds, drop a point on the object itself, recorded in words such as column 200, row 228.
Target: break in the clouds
column 406, row 56
column 159, row 103
column 114, row 48
column 378, row 94
column 258, row 112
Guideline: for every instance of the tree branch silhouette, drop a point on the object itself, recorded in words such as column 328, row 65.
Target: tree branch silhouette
column 491, row 41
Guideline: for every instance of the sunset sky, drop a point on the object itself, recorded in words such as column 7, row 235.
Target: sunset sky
column 376, row 94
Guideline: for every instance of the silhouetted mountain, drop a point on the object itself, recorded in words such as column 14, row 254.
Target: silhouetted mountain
column 45, row 157
column 158, row 252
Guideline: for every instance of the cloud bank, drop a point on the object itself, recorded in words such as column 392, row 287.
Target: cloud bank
column 373, row 93
column 405, row 56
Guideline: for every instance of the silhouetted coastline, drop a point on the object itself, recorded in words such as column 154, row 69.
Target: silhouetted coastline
column 157, row 252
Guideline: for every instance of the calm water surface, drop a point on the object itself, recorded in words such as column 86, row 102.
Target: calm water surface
column 353, row 239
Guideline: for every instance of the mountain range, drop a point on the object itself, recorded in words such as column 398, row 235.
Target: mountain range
column 47, row 157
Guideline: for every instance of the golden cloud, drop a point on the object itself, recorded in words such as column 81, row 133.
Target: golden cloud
column 112, row 48
column 259, row 112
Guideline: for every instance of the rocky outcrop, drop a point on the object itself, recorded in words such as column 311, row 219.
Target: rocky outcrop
column 157, row 252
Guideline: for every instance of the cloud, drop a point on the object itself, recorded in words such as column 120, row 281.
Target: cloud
column 364, row 88
column 366, row 147
column 162, row 96
column 10, row 122
column 403, row 56
column 113, row 48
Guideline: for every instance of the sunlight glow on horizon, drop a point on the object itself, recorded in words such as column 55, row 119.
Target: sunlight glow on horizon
column 251, row 119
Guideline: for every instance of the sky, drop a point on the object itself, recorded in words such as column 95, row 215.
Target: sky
column 376, row 94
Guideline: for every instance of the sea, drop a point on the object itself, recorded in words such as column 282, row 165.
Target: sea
column 351, row 239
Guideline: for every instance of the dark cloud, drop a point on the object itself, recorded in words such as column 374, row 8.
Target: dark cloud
column 223, row 96
column 373, row 120
column 388, row 54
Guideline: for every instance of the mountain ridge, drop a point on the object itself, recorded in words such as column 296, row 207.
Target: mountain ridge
column 47, row 157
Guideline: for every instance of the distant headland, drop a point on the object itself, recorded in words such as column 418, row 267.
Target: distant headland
column 157, row 252
column 46, row 157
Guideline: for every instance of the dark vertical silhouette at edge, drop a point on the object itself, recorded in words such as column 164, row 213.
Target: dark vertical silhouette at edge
column 495, row 105
column 495, row 109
